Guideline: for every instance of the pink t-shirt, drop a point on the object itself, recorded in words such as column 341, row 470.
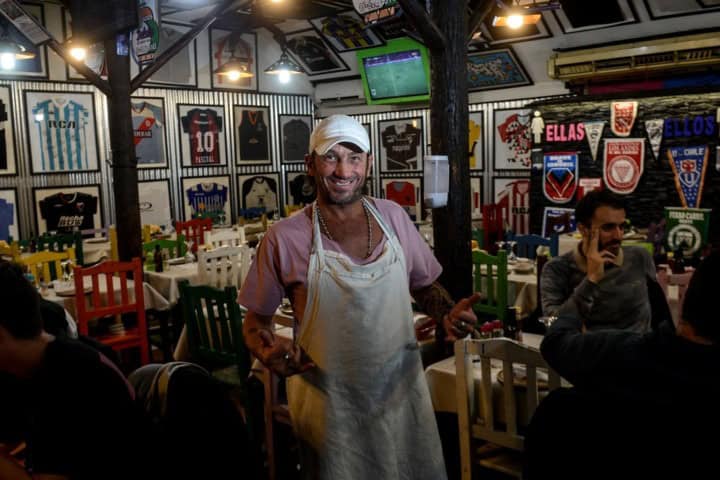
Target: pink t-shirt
column 281, row 263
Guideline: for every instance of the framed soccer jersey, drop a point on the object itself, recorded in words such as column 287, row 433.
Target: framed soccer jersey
column 513, row 193
column 181, row 69
column 295, row 133
column 148, row 119
column 9, row 228
column 32, row 67
column 252, row 135
column 7, row 142
column 155, row 208
column 226, row 46
column 261, row 190
column 61, row 131
column 202, row 135
column 300, row 188
column 406, row 192
column 65, row 209
column 310, row 51
column 401, row 145
column 207, row 197
column 512, row 139
column 346, row 31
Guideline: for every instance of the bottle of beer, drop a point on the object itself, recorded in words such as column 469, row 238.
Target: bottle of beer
column 158, row 259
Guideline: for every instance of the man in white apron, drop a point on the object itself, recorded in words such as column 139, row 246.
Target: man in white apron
column 358, row 398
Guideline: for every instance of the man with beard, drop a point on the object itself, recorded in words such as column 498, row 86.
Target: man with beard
column 357, row 394
column 608, row 285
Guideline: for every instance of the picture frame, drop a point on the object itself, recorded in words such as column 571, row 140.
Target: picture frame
column 251, row 125
column 8, row 161
column 181, row 69
column 394, row 28
column 309, row 50
column 295, row 136
column 346, row 31
column 207, row 197
column 401, row 190
column 625, row 8
column 155, row 202
column 9, row 223
column 149, row 121
column 476, row 140
column 400, row 145
column 300, row 188
column 76, row 149
column 659, row 11
column 81, row 207
column 503, row 35
column 476, row 197
column 512, row 139
column 493, row 69
column 257, row 190
column 202, row 135
column 226, row 45
column 95, row 56
column 36, row 67
column 558, row 220
column 513, row 193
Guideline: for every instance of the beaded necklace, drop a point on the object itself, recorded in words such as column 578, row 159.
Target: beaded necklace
column 325, row 230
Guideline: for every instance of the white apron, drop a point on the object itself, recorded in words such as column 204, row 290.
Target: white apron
column 365, row 412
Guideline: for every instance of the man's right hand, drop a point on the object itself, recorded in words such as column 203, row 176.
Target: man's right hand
column 596, row 259
column 279, row 354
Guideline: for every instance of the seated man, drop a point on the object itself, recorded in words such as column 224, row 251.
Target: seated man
column 606, row 283
column 72, row 407
column 642, row 404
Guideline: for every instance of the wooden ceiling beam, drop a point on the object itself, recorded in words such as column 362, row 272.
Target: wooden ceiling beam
column 418, row 16
column 479, row 16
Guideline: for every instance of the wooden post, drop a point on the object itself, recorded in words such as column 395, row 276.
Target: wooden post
column 124, row 163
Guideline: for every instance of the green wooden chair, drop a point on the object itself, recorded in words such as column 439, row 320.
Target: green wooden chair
column 493, row 284
column 213, row 323
column 171, row 248
column 56, row 242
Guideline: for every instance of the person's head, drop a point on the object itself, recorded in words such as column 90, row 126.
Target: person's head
column 339, row 159
column 604, row 211
column 700, row 300
column 20, row 318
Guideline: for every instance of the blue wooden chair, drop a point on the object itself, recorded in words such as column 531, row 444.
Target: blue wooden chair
column 526, row 245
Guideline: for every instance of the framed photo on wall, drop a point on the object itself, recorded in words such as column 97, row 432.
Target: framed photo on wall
column 513, row 193
column 260, row 190
column 557, row 221
column 664, row 8
column 35, row 67
column 346, row 31
column 181, row 69
column 406, row 192
column 300, row 188
column 148, row 118
column 227, row 46
column 295, row 134
column 401, row 145
column 64, row 209
column 492, row 69
column 476, row 140
column 155, row 207
column 207, row 197
column 7, row 139
column 202, row 135
column 61, row 131
column 252, row 135
column 476, row 197
column 512, row 139
column 9, row 227
column 310, row 52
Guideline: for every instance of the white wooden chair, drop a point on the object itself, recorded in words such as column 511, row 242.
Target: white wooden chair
column 477, row 419
column 220, row 267
column 226, row 237
column 246, row 257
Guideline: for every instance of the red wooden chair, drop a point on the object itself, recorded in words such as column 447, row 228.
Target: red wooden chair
column 492, row 219
column 113, row 300
column 194, row 231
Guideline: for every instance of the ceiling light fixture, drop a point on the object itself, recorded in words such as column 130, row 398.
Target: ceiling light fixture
column 11, row 51
column 522, row 12
column 235, row 69
column 284, row 68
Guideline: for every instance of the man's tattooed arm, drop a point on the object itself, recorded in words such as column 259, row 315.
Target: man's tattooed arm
column 434, row 300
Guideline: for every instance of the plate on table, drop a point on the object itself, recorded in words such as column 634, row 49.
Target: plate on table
column 65, row 290
column 177, row 261
column 523, row 267
column 286, row 308
column 96, row 240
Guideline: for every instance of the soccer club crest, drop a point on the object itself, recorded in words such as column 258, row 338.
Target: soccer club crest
column 623, row 164
column 654, row 130
column 622, row 117
column 560, row 173
column 593, row 133
column 688, row 164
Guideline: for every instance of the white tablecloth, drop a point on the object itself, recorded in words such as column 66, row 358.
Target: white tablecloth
column 93, row 251
column 167, row 282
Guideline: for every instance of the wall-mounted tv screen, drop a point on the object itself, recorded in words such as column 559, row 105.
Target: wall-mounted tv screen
column 396, row 72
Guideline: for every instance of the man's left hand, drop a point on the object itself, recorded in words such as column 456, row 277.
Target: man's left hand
column 461, row 320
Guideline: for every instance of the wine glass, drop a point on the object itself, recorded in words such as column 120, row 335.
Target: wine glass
column 512, row 257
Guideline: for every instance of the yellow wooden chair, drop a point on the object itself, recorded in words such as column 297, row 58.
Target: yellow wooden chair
column 9, row 251
column 47, row 265
column 290, row 209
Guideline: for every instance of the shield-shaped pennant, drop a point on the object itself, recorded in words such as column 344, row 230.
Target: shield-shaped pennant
column 622, row 117
column 560, row 174
column 689, row 164
column 623, row 164
column 654, row 130
column 593, row 133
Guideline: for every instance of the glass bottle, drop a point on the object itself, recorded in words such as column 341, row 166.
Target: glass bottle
column 158, row 259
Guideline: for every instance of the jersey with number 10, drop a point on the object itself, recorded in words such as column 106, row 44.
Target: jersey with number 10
column 203, row 127
column 61, row 125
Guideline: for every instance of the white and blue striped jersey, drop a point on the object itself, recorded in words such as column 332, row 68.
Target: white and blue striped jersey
column 62, row 128
column 207, row 198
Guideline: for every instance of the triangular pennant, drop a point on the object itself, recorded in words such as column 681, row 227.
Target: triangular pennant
column 654, row 130
column 560, row 172
column 623, row 164
column 593, row 133
column 622, row 117
column 689, row 164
